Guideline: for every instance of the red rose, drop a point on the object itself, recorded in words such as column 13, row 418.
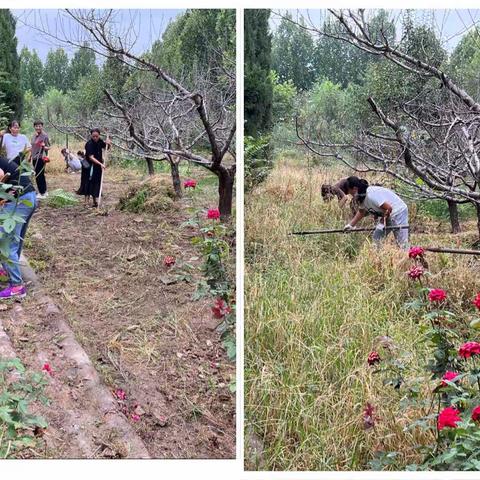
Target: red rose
column 46, row 159
column 415, row 272
column 468, row 349
column 189, row 184
column 449, row 376
column 47, row 368
column 373, row 358
column 415, row 252
column 213, row 214
column 120, row 394
column 476, row 414
column 448, row 417
column 437, row 295
column 220, row 309
column 168, row 261
column 368, row 417
column 476, row 301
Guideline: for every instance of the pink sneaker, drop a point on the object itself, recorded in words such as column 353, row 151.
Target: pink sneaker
column 3, row 273
column 15, row 291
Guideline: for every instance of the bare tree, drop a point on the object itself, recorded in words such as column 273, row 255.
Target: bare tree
column 430, row 142
column 163, row 118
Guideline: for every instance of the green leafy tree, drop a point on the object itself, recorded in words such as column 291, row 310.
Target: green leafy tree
column 88, row 95
column 258, row 89
column 56, row 73
column 82, row 65
column 196, row 42
column 115, row 75
column 10, row 64
column 324, row 113
column 465, row 63
column 4, row 108
column 31, row 72
column 293, row 54
column 284, row 95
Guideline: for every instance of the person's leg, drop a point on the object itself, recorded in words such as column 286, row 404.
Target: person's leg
column 40, row 176
column 12, row 266
column 401, row 236
column 29, row 197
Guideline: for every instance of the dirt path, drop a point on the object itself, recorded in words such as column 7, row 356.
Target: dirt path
column 143, row 334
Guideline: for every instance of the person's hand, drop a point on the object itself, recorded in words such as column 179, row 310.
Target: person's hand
column 108, row 141
column 103, row 166
column 347, row 227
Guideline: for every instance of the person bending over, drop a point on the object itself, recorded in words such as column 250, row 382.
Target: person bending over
column 380, row 202
column 339, row 190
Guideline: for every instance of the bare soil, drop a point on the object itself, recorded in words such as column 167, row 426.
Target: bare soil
column 140, row 327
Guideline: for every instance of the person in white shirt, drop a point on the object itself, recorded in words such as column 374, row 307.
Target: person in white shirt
column 380, row 202
column 72, row 162
column 14, row 142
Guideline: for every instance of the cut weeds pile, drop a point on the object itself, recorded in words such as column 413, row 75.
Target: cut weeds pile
column 154, row 346
column 315, row 308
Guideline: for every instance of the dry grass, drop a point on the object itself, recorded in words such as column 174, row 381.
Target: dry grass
column 315, row 307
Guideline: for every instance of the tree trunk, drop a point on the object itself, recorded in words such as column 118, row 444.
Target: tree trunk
column 177, row 185
column 453, row 210
column 477, row 206
column 225, row 192
column 151, row 168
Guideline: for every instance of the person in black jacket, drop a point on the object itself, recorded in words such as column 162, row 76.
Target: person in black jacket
column 94, row 154
column 18, row 199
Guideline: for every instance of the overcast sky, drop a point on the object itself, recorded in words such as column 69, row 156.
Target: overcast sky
column 148, row 25
column 450, row 25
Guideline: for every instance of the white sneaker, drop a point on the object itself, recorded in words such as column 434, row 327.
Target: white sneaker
column 40, row 196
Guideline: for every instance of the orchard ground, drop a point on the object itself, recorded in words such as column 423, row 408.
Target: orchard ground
column 316, row 306
column 136, row 318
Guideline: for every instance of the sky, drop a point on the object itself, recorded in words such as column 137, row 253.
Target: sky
column 147, row 24
column 450, row 24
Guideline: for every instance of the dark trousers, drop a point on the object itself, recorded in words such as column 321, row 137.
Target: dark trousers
column 40, row 176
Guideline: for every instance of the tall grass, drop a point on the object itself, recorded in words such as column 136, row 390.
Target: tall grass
column 314, row 308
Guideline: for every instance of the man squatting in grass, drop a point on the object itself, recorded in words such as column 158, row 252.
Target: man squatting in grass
column 340, row 190
column 40, row 147
column 380, row 202
column 23, row 205
column 93, row 153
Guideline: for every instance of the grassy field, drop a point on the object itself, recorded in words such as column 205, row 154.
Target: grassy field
column 315, row 307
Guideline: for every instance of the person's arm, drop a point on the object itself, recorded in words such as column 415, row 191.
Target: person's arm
column 358, row 216
column 339, row 193
column 94, row 160
column 47, row 145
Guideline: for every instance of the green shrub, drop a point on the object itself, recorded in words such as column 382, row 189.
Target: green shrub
column 18, row 390
column 61, row 199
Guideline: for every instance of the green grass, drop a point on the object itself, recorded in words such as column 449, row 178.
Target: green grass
column 314, row 309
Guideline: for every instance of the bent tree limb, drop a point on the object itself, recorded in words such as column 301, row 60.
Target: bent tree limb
column 179, row 120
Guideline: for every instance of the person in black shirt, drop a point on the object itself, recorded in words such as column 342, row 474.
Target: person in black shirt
column 94, row 154
column 21, row 202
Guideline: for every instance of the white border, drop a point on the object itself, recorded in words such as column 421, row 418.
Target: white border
column 214, row 469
